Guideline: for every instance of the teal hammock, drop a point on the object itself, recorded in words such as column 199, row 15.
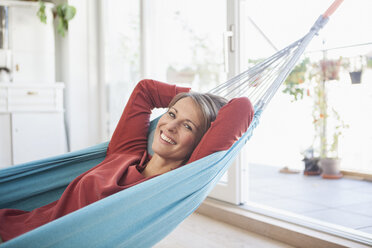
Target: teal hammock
column 144, row 214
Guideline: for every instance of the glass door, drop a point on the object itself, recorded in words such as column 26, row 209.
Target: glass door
column 194, row 44
column 277, row 184
column 188, row 43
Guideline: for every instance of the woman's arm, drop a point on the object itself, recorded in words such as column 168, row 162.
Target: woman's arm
column 131, row 132
column 232, row 121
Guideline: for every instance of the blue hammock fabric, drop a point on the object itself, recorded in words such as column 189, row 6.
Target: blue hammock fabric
column 31, row 185
column 139, row 216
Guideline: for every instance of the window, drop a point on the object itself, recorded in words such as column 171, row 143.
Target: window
column 183, row 43
column 122, row 53
column 286, row 129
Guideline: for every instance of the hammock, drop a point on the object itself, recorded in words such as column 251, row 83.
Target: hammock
column 144, row 214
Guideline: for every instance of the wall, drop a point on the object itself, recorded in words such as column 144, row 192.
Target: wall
column 77, row 65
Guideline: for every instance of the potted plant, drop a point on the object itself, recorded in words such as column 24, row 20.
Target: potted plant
column 355, row 66
column 330, row 69
column 311, row 163
column 327, row 133
column 327, row 144
column 322, row 157
column 62, row 12
column 295, row 86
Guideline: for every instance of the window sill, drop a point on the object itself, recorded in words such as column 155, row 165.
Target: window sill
column 283, row 231
column 357, row 175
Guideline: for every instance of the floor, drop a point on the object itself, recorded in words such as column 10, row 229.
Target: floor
column 201, row 231
column 346, row 202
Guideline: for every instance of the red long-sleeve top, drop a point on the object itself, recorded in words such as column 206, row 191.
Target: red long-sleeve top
column 127, row 155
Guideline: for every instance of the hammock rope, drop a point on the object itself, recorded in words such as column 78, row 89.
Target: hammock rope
column 142, row 215
column 262, row 81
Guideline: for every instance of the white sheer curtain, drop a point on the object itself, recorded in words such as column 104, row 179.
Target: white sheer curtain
column 122, row 55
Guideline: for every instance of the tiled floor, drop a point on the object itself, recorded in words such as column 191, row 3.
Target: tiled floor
column 345, row 201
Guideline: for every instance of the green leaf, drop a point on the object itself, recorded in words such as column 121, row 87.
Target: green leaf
column 41, row 12
column 60, row 11
column 70, row 12
column 65, row 13
column 61, row 27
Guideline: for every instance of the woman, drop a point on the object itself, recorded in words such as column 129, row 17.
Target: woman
column 188, row 131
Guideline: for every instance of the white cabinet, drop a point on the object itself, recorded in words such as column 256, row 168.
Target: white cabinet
column 31, row 106
column 31, row 122
column 37, row 135
column 5, row 140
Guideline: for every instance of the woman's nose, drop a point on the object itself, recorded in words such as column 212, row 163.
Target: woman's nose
column 172, row 126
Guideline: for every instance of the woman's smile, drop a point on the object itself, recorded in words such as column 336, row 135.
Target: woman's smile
column 167, row 140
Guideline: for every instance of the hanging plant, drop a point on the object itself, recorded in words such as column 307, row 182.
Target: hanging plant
column 293, row 85
column 41, row 12
column 356, row 77
column 355, row 67
column 330, row 69
column 62, row 12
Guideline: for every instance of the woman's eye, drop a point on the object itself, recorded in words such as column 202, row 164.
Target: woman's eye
column 171, row 114
column 188, row 126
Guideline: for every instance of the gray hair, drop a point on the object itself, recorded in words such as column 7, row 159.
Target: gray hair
column 209, row 105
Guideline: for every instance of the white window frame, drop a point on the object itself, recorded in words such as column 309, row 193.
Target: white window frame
column 233, row 191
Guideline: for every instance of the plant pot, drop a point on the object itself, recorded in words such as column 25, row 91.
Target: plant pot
column 330, row 69
column 312, row 167
column 330, row 168
column 356, row 77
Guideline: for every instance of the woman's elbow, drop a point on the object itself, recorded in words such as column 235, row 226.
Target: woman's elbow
column 246, row 110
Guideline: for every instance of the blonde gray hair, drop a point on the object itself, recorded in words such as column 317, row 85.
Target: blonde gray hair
column 209, row 105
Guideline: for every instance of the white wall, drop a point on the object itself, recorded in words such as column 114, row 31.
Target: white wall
column 77, row 65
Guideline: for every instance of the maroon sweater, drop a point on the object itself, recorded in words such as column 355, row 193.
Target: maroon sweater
column 127, row 155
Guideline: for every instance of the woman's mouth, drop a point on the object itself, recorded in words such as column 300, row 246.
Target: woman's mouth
column 166, row 139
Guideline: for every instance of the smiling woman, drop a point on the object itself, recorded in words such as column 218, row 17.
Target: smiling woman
column 177, row 134
column 182, row 136
column 179, row 131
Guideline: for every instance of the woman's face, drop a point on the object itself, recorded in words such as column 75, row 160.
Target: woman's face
column 178, row 131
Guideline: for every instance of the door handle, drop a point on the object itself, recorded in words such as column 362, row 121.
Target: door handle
column 32, row 93
column 228, row 46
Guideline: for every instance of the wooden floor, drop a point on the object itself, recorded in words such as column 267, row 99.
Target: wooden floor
column 201, row 231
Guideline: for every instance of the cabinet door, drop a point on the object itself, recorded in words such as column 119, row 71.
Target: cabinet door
column 37, row 135
column 32, row 44
column 5, row 141
column 33, row 66
column 27, row 32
